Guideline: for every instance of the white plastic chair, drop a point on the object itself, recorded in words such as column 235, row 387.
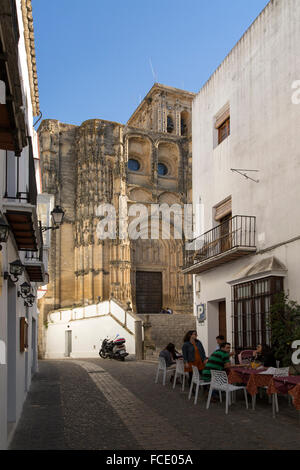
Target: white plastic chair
column 245, row 356
column 198, row 382
column 179, row 371
column 219, row 381
column 281, row 372
column 163, row 367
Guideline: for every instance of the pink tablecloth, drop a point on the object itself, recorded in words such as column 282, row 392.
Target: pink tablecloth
column 290, row 384
column 251, row 377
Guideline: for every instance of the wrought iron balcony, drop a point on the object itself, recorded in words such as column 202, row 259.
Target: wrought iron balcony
column 233, row 238
column 34, row 263
column 20, row 199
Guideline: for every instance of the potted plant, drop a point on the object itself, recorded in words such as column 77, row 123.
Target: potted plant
column 285, row 327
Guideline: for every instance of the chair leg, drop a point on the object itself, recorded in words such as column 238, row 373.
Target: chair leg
column 276, row 403
column 175, row 378
column 246, row 398
column 156, row 378
column 269, row 399
column 220, row 396
column 164, row 379
column 209, row 397
column 227, row 401
column 253, row 402
column 196, row 394
column 183, row 382
column 191, row 388
column 273, row 406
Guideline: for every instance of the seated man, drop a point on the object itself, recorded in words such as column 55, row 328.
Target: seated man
column 219, row 360
column 220, row 339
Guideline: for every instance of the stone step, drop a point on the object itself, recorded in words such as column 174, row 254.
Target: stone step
column 166, row 329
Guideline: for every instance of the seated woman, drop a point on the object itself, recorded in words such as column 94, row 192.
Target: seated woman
column 170, row 355
column 265, row 355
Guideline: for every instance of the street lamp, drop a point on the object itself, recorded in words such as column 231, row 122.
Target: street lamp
column 57, row 215
column 4, row 230
column 16, row 269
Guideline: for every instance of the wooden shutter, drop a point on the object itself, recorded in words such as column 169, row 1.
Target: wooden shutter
column 222, row 115
column 23, row 334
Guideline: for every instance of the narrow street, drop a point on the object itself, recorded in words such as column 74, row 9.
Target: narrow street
column 108, row 405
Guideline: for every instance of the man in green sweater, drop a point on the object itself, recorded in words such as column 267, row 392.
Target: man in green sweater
column 219, row 360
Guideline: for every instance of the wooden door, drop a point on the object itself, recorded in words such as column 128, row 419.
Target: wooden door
column 148, row 292
column 222, row 319
column 225, row 233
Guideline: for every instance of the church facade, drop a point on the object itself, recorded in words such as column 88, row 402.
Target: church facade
column 148, row 161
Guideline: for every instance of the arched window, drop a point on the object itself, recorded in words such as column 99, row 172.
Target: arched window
column 184, row 119
column 170, row 124
column 133, row 165
column 162, row 169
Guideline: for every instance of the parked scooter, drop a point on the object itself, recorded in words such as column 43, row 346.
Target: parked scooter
column 113, row 348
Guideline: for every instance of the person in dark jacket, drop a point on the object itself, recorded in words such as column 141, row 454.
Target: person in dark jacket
column 265, row 355
column 193, row 353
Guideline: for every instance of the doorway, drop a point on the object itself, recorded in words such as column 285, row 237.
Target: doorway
column 68, row 343
column 148, row 291
column 222, row 319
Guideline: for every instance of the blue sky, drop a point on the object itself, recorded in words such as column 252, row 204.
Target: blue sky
column 98, row 59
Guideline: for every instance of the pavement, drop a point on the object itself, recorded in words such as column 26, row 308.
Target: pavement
column 101, row 404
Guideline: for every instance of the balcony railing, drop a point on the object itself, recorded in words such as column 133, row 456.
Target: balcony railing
column 36, row 255
column 34, row 263
column 234, row 237
column 30, row 195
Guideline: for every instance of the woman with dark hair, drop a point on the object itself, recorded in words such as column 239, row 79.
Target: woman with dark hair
column 193, row 353
column 264, row 354
column 170, row 354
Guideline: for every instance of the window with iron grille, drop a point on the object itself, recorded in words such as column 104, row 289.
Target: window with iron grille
column 251, row 311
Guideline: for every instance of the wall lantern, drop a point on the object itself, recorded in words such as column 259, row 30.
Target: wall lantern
column 16, row 269
column 57, row 215
column 25, row 290
column 4, row 230
column 29, row 300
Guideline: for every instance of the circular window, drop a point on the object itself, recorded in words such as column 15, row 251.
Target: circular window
column 162, row 169
column 133, row 165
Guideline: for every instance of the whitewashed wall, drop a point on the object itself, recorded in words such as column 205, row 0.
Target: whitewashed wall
column 23, row 361
column 256, row 78
column 89, row 326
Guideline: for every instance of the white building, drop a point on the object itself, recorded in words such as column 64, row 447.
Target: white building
column 245, row 118
column 19, row 185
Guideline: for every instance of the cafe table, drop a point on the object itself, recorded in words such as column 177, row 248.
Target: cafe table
column 286, row 385
column 252, row 377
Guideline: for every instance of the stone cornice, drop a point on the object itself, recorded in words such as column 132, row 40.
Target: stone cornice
column 30, row 52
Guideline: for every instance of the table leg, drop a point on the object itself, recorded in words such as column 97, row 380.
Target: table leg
column 273, row 406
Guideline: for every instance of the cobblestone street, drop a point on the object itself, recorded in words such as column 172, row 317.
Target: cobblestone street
column 108, row 405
